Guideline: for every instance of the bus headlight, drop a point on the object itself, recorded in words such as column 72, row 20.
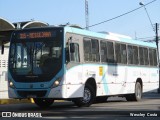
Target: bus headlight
column 11, row 84
column 56, row 82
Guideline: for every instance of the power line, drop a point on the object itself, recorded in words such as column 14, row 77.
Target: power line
column 121, row 15
column 146, row 38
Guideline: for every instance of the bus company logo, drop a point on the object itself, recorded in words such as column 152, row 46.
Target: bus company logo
column 6, row 114
column 22, row 115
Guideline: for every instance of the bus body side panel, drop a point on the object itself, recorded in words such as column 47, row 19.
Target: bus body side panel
column 149, row 77
column 74, row 82
column 57, row 92
column 121, row 79
column 144, row 75
column 104, row 78
column 153, row 83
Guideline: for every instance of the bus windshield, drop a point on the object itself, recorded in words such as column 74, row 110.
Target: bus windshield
column 38, row 57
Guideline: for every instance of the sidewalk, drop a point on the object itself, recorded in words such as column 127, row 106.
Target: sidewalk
column 151, row 95
column 14, row 101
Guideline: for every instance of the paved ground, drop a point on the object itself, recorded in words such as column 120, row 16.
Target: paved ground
column 115, row 108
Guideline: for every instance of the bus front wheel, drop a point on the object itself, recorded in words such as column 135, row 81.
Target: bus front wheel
column 43, row 102
column 88, row 97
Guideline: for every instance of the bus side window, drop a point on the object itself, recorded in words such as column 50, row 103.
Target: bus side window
column 75, row 53
column 152, row 57
column 87, row 50
column 135, row 55
column 141, row 56
column 118, row 52
column 103, row 51
column 155, row 57
column 95, row 50
column 145, row 52
column 110, row 52
column 130, row 54
column 123, row 54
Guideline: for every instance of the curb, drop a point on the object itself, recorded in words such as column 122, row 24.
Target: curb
column 17, row 101
column 14, row 101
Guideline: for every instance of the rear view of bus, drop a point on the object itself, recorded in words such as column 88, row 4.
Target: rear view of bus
column 35, row 64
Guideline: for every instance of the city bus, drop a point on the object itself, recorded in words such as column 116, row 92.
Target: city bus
column 69, row 63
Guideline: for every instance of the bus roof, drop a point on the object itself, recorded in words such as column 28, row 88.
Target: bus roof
column 102, row 36
column 108, row 36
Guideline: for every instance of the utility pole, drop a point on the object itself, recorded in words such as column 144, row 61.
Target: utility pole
column 87, row 14
column 157, row 41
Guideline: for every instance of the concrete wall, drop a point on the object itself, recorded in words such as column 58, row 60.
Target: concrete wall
column 3, row 73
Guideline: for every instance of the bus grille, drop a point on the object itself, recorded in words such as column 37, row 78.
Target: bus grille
column 29, row 94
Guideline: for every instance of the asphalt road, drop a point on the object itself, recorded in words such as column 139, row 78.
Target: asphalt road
column 115, row 108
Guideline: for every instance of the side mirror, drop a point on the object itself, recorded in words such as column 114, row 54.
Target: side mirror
column 72, row 48
column 67, row 55
column 2, row 51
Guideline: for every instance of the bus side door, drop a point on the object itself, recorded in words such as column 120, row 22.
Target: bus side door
column 121, row 67
column 74, row 73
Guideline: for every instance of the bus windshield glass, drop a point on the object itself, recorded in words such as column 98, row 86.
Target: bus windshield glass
column 38, row 55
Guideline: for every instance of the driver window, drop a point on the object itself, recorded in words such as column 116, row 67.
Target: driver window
column 75, row 55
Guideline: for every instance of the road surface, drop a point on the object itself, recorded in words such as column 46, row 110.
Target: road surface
column 115, row 108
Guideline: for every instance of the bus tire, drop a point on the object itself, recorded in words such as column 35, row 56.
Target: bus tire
column 43, row 102
column 138, row 92
column 87, row 99
column 137, row 96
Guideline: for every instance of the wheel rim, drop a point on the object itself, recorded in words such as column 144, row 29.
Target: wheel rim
column 138, row 91
column 87, row 95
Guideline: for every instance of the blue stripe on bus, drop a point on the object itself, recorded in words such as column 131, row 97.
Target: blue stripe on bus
column 104, row 79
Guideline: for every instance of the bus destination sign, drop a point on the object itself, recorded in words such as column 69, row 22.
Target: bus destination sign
column 33, row 35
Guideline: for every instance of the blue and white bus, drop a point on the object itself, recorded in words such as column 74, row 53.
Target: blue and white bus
column 69, row 63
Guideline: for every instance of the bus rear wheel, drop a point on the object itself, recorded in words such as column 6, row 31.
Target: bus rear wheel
column 43, row 102
column 138, row 92
column 88, row 97
column 137, row 96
